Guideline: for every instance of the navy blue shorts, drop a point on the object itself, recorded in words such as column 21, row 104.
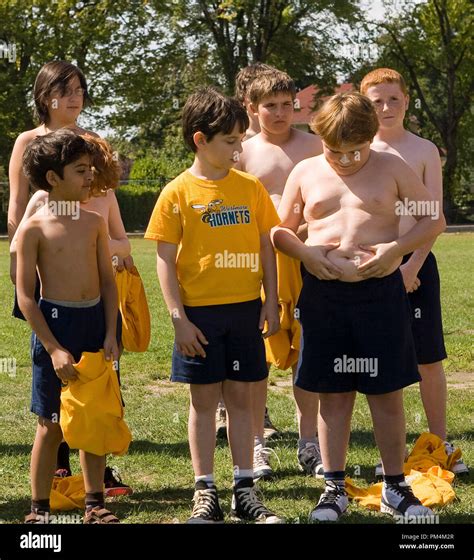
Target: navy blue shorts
column 235, row 351
column 356, row 336
column 78, row 329
column 426, row 319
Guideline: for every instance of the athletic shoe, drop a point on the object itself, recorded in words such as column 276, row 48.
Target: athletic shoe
column 261, row 462
column 206, row 509
column 332, row 503
column 247, row 507
column 309, row 459
column 459, row 467
column 114, row 485
column 269, row 430
column 398, row 500
column 221, row 422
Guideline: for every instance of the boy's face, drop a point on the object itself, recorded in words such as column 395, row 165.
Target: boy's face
column 348, row 158
column 275, row 113
column 76, row 182
column 390, row 103
column 223, row 151
column 68, row 107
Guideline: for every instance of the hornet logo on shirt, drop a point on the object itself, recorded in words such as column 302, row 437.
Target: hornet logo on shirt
column 217, row 216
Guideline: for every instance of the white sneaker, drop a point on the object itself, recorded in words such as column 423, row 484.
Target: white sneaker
column 309, row 459
column 261, row 462
column 332, row 503
column 399, row 500
column 459, row 467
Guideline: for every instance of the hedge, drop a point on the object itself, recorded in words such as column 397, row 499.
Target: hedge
column 136, row 201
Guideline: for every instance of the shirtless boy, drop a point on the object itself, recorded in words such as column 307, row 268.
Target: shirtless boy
column 270, row 156
column 386, row 88
column 353, row 305
column 77, row 311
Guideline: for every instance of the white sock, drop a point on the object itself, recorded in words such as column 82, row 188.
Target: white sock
column 240, row 474
column 207, row 478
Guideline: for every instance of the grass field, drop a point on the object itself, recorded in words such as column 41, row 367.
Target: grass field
column 158, row 464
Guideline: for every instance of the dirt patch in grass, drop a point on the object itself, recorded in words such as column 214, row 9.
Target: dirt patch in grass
column 160, row 388
column 460, row 380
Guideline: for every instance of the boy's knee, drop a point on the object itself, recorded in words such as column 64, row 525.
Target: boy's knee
column 431, row 369
column 238, row 396
column 49, row 430
column 202, row 402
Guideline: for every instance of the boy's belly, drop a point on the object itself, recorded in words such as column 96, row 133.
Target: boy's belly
column 348, row 259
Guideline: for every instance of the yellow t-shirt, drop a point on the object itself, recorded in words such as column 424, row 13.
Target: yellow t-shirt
column 217, row 226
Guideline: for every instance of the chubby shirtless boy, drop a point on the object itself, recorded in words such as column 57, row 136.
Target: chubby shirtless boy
column 270, row 156
column 353, row 305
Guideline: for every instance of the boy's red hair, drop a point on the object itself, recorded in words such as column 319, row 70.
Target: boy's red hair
column 382, row 76
column 106, row 165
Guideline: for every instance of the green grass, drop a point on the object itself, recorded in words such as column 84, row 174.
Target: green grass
column 158, row 464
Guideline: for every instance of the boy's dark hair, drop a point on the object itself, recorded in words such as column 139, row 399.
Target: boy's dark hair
column 56, row 75
column 209, row 111
column 246, row 76
column 53, row 151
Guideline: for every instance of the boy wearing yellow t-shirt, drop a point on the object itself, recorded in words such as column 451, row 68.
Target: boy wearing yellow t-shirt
column 212, row 224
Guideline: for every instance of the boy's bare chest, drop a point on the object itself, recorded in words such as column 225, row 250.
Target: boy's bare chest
column 409, row 152
column 373, row 195
column 272, row 166
column 68, row 240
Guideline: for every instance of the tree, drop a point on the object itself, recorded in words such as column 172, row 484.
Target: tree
column 88, row 33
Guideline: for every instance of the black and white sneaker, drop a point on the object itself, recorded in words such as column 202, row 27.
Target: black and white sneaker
column 247, row 507
column 206, row 505
column 332, row 503
column 309, row 459
column 398, row 500
column 459, row 467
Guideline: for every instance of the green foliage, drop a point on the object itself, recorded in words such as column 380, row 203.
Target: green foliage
column 136, row 201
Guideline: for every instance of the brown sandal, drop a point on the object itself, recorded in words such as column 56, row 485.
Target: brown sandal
column 99, row 515
column 33, row 518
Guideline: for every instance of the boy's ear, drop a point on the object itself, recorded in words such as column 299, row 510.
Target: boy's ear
column 407, row 102
column 253, row 108
column 52, row 178
column 199, row 139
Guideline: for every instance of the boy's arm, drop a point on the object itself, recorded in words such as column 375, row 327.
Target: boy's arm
column 118, row 243
column 189, row 338
column 36, row 201
column 108, row 291
column 270, row 308
column 19, row 186
column 285, row 236
column 427, row 228
column 433, row 179
column 28, row 247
